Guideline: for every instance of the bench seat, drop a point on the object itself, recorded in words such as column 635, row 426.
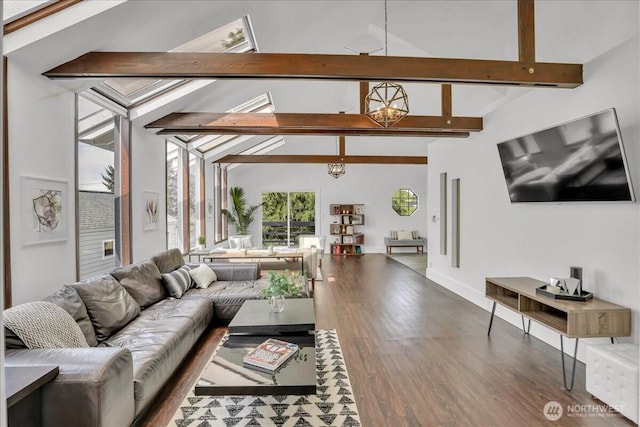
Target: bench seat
column 408, row 243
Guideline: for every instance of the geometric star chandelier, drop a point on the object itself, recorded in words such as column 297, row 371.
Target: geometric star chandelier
column 387, row 103
column 337, row 169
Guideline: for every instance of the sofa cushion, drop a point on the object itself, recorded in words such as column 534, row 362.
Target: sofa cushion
column 11, row 340
column 143, row 282
column 178, row 281
column 67, row 297
column 159, row 339
column 405, row 235
column 203, row 276
column 109, row 305
column 228, row 297
column 167, row 261
column 42, row 324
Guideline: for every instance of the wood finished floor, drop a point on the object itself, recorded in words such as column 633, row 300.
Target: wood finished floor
column 419, row 355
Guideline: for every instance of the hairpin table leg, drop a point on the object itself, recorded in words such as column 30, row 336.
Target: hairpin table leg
column 528, row 328
column 493, row 312
column 573, row 370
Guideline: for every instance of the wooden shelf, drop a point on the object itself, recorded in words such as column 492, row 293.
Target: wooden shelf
column 348, row 239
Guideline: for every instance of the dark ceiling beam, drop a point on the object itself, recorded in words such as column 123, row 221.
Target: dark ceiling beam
column 526, row 31
column 191, row 65
column 285, row 158
column 310, row 124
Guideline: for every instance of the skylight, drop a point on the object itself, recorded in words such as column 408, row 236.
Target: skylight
column 205, row 143
column 235, row 36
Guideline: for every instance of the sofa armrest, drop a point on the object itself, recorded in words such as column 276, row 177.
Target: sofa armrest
column 94, row 386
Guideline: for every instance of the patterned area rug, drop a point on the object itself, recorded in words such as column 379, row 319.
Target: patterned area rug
column 333, row 405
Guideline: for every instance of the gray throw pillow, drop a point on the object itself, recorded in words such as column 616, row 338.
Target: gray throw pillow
column 178, row 281
column 68, row 298
column 143, row 282
column 109, row 305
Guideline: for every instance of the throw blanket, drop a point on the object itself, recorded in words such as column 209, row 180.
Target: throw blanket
column 41, row 324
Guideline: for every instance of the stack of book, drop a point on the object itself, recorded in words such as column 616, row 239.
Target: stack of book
column 270, row 355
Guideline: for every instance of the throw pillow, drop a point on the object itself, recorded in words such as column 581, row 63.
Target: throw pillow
column 394, row 235
column 415, row 234
column 203, row 276
column 178, row 281
column 405, row 235
column 68, row 298
column 109, row 305
column 143, row 282
column 42, row 324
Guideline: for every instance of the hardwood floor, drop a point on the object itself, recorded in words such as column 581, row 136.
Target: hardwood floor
column 419, row 355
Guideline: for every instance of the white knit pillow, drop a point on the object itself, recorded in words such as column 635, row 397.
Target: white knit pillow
column 203, row 276
column 42, row 324
column 405, row 235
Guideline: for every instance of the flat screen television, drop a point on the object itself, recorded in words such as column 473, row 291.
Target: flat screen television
column 579, row 161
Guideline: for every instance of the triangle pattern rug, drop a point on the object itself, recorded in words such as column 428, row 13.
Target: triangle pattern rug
column 332, row 405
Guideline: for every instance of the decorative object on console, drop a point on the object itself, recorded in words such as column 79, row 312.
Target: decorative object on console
column 202, row 240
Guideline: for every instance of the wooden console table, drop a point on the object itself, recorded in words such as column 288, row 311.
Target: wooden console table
column 23, row 385
column 571, row 319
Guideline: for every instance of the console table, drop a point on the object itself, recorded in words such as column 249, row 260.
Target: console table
column 571, row 319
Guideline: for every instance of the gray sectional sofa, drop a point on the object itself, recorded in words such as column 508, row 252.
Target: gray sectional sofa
column 138, row 336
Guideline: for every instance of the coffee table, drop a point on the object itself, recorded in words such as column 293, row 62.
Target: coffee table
column 253, row 324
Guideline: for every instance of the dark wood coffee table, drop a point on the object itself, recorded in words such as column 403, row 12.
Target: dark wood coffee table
column 253, row 324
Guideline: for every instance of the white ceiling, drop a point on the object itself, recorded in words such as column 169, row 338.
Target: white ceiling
column 566, row 31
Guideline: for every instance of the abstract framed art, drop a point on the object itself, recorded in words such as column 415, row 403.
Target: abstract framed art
column 45, row 210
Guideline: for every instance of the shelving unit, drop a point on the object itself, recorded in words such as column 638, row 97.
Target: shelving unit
column 346, row 236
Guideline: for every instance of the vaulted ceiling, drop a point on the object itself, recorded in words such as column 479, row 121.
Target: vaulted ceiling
column 566, row 32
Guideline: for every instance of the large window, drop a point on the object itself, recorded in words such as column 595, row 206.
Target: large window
column 96, row 188
column 220, row 202
column 287, row 215
column 174, row 197
column 196, row 221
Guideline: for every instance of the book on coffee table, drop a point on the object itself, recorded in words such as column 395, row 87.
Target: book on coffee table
column 270, row 355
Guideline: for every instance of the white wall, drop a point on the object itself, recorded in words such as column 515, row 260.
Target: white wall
column 372, row 185
column 148, row 173
column 41, row 143
column 543, row 240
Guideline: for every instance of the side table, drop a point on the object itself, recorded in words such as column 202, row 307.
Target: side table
column 23, row 385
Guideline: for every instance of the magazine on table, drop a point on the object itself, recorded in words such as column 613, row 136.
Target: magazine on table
column 271, row 354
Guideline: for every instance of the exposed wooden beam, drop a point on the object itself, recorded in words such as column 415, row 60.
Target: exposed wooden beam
column 341, row 145
column 447, row 102
column 364, row 91
column 285, row 158
column 526, row 32
column 38, row 15
column 318, row 124
column 169, row 65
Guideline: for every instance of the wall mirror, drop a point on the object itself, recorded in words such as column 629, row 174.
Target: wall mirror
column 404, row 202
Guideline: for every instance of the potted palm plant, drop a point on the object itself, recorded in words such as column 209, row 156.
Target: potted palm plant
column 281, row 286
column 240, row 215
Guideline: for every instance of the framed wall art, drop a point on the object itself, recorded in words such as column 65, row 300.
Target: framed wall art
column 150, row 202
column 45, row 210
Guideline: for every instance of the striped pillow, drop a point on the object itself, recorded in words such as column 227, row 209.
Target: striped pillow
column 415, row 234
column 178, row 281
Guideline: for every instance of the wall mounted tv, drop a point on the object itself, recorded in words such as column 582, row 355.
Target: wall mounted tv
column 579, row 161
